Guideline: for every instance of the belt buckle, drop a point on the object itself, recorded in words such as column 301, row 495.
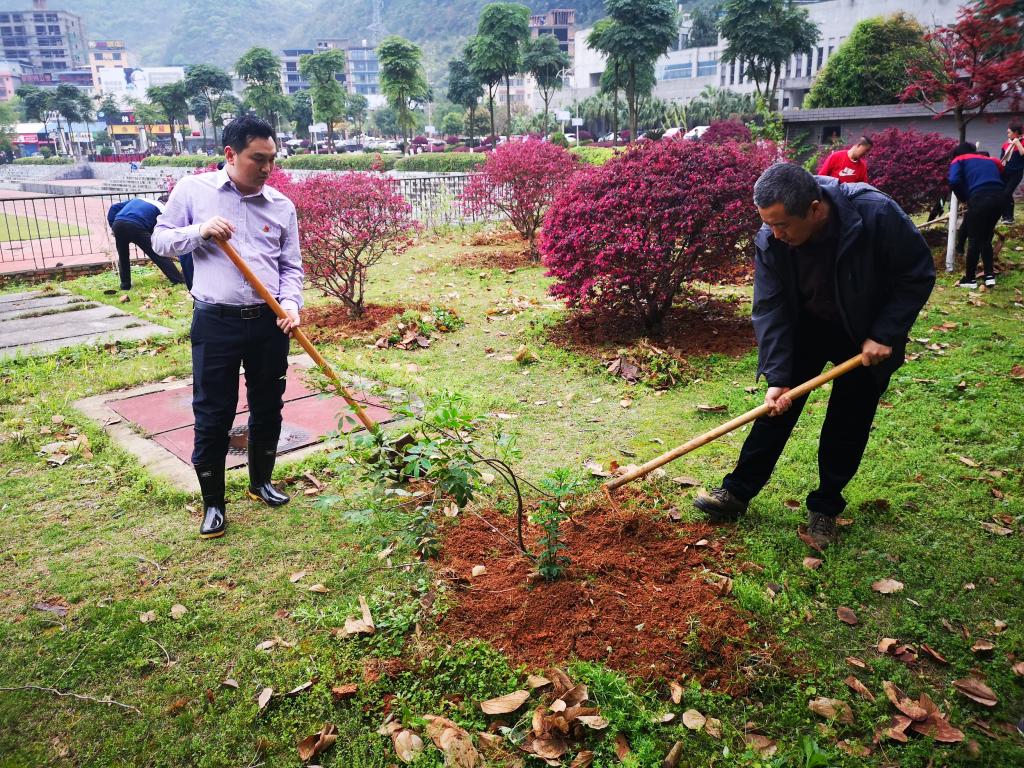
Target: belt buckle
column 250, row 313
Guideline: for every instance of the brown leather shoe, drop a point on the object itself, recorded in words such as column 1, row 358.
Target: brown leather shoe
column 720, row 506
column 822, row 529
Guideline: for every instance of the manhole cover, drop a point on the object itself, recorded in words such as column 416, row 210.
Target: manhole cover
column 291, row 438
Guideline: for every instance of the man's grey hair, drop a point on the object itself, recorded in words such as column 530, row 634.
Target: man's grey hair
column 788, row 184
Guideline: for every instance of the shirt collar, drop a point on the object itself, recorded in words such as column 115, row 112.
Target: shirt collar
column 223, row 180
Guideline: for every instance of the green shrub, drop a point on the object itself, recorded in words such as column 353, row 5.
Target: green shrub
column 182, row 161
column 559, row 138
column 593, row 155
column 350, row 161
column 442, row 162
column 43, row 160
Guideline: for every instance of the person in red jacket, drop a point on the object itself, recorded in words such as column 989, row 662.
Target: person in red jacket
column 848, row 165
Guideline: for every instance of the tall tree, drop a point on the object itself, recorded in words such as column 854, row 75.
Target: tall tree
column 546, row 62
column 761, row 35
column 873, row 64
column 261, row 71
column 173, row 100
column 71, row 103
column 974, row 62
column 402, row 80
column 200, row 110
column 635, row 34
column 704, row 26
column 328, row 95
column 300, row 112
column 35, row 102
column 465, row 90
column 356, row 108
column 209, row 84
column 505, row 28
column 485, row 64
column 385, row 120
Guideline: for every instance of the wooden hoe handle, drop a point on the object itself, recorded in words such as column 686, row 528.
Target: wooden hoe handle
column 729, row 426
column 300, row 337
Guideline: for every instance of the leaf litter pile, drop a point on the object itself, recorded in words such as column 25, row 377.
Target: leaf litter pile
column 641, row 595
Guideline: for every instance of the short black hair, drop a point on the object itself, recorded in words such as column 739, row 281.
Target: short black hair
column 1017, row 128
column 789, row 184
column 965, row 148
column 865, row 141
column 240, row 131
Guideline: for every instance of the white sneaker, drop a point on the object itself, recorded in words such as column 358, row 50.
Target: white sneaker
column 968, row 283
column 990, row 281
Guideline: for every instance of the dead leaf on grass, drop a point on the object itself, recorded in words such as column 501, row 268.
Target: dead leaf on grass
column 583, row 759
column 711, row 408
column 897, row 731
column 319, row 589
column 831, row 709
column 887, row 586
column 503, row 705
column 846, row 615
column 812, row 563
column 983, row 647
column 594, row 722
column 454, row 741
column 360, row 626
column 147, row 617
column 975, row 690
column 537, row 681
column 968, row 462
column 684, row 481
column 694, row 720
column 676, row 691
column 300, row 688
column 407, row 744
column 229, row 682
column 622, row 748
column 264, row 698
column 713, row 727
column 311, row 746
column 853, row 661
column 761, row 744
column 907, row 706
column 1018, row 668
column 178, row 610
column 857, row 686
column 933, row 654
column 998, row 530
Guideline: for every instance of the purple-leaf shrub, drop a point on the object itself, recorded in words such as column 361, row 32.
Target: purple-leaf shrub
column 911, row 166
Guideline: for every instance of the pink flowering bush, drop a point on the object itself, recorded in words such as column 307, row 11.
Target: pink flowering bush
column 622, row 238
column 347, row 224
column 520, row 180
column 911, row 166
column 726, row 130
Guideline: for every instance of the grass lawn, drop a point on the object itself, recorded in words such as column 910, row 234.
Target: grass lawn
column 13, row 228
column 91, row 546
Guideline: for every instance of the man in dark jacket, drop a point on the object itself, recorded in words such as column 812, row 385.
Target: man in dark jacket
column 133, row 222
column 839, row 270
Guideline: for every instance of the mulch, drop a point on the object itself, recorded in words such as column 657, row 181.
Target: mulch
column 332, row 322
column 635, row 597
column 696, row 329
column 507, row 260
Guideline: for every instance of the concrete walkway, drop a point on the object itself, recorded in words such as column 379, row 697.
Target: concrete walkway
column 38, row 323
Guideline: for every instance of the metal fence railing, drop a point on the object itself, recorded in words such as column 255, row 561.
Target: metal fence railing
column 435, row 199
column 41, row 233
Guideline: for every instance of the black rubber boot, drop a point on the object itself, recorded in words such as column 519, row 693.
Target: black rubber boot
column 211, row 484
column 261, row 468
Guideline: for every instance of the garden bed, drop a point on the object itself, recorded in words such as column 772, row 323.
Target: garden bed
column 508, row 260
column 641, row 595
column 332, row 322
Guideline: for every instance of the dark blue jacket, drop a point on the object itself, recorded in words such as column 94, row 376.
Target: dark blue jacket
column 137, row 211
column 970, row 174
column 884, row 274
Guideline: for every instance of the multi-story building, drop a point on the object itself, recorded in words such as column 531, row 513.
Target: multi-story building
column 560, row 23
column 683, row 72
column 11, row 75
column 361, row 75
column 106, row 54
column 292, row 80
column 51, row 41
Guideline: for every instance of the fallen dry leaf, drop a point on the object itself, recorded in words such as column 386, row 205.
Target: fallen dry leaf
column 320, row 589
column 846, row 615
column 311, row 746
column 831, row 709
column 713, row 727
column 983, row 647
column 764, row 746
column 583, row 759
column 454, row 741
column 229, row 682
column 503, row 705
column 998, row 530
column 178, row 610
column 147, row 617
column 792, row 504
column 622, row 749
column 479, row 570
column 897, row 731
column 361, row 626
column 264, row 698
column 907, row 706
column 887, row 586
column 853, row 661
column 968, row 462
column 886, row 644
column 812, row 563
column 711, row 408
column 684, row 481
column 676, row 691
column 594, row 722
column 853, row 748
column 694, row 720
column 975, row 690
column 1018, row 668
column 935, row 655
column 856, row 685
column 407, row 743
column 537, row 681
column 300, row 688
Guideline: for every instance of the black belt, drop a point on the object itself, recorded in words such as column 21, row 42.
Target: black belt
column 245, row 312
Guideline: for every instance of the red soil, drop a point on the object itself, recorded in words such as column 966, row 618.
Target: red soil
column 330, row 322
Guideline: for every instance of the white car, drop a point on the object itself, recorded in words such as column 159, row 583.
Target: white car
column 696, row 132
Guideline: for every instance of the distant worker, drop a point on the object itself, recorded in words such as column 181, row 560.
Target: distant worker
column 133, row 222
column 1013, row 159
column 848, row 165
column 978, row 180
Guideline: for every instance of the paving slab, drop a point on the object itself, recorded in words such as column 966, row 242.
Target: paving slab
column 154, row 422
column 35, row 323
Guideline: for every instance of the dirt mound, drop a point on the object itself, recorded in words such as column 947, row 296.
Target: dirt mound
column 330, row 322
column 637, row 596
column 502, row 237
column 693, row 330
column 508, row 260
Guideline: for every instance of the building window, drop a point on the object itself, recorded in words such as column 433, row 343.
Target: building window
column 705, row 68
column 830, row 133
column 678, row 71
column 821, row 57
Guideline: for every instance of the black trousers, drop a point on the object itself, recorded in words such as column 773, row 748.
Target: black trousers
column 222, row 342
column 127, row 233
column 1010, row 182
column 844, row 434
column 983, row 212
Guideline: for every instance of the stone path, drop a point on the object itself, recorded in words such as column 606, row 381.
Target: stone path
column 38, row 323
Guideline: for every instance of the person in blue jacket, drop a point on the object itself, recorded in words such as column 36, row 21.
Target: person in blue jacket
column 133, row 221
column 839, row 270
column 978, row 180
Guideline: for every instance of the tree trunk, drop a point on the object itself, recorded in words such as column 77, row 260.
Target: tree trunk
column 508, row 108
column 472, row 124
column 544, row 127
column 961, row 126
column 631, row 100
column 490, row 107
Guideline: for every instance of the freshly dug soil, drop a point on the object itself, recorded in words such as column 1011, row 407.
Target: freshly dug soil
column 690, row 330
column 330, row 322
column 635, row 597
column 508, row 260
column 492, row 237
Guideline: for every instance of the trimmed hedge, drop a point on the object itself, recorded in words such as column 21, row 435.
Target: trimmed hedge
column 182, row 161
column 442, row 162
column 593, row 155
column 349, row 161
column 40, row 160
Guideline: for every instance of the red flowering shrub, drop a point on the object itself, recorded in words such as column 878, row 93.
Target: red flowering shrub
column 622, row 238
column 911, row 166
column 519, row 179
column 726, row 130
column 347, row 223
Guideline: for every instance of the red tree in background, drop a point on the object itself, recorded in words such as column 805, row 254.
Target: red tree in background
column 623, row 237
column 726, row 130
column 348, row 223
column 911, row 166
column 520, row 180
column 977, row 60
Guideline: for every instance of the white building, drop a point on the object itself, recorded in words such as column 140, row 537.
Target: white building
column 682, row 74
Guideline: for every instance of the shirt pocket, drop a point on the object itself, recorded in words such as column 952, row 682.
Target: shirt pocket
column 270, row 233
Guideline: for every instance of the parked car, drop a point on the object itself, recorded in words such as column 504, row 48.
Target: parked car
column 696, row 132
